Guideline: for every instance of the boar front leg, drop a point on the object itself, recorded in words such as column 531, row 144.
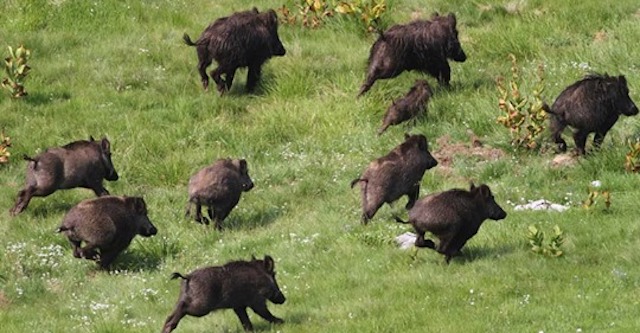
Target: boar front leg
column 262, row 311
column 413, row 194
column 253, row 76
column 244, row 318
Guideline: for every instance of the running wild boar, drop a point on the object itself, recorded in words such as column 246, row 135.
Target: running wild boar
column 237, row 285
column 218, row 187
column 244, row 39
column 77, row 164
column 106, row 225
column 454, row 217
column 407, row 107
column 396, row 174
column 423, row 45
column 591, row 105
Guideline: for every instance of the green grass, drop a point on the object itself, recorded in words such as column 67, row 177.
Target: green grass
column 119, row 69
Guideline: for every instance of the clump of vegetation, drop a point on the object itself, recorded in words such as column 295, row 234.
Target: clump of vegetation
column 522, row 113
column 16, row 69
column 552, row 248
column 313, row 13
column 632, row 159
column 5, row 143
column 595, row 196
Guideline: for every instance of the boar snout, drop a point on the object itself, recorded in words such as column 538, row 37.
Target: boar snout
column 148, row 230
column 246, row 187
column 112, row 175
column 278, row 49
column 278, row 298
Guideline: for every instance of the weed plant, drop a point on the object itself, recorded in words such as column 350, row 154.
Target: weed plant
column 119, row 69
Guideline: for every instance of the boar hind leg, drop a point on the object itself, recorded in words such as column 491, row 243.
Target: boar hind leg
column 262, row 311
column 421, row 242
column 199, row 218
column 24, row 197
column 203, row 62
column 370, row 209
column 580, row 138
column 598, row 139
column 99, row 190
column 244, row 318
column 556, row 128
column 172, row 321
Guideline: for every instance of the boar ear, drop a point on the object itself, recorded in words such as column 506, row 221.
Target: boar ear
column 243, row 164
column 137, row 204
column 406, row 136
column 105, row 144
column 622, row 80
column 91, row 138
column 452, row 19
column 472, row 186
column 269, row 265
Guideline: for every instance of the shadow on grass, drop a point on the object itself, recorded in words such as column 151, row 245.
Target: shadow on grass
column 470, row 254
column 255, row 219
column 48, row 208
column 38, row 99
column 136, row 261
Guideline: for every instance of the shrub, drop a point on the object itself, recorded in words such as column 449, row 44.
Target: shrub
column 632, row 158
column 522, row 113
column 538, row 245
column 5, row 142
column 17, row 70
column 313, row 13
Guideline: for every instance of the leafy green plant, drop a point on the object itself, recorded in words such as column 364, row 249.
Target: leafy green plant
column 522, row 113
column 312, row 13
column 552, row 248
column 16, row 68
column 5, row 142
column 594, row 196
column 632, row 158
column 368, row 12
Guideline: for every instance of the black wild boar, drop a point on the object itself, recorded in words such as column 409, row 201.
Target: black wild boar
column 453, row 216
column 218, row 187
column 237, row 285
column 106, row 225
column 407, row 107
column 77, row 164
column 592, row 104
column 396, row 174
column 244, row 39
column 421, row 45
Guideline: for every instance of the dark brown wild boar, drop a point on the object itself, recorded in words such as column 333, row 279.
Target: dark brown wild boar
column 453, row 216
column 408, row 106
column 423, row 45
column 106, row 225
column 77, row 164
column 237, row 285
column 591, row 105
column 218, row 187
column 244, row 39
column 396, row 174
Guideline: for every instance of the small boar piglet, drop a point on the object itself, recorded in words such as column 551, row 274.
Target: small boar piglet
column 243, row 39
column 398, row 173
column 106, row 225
column 591, row 105
column 407, row 107
column 453, row 216
column 78, row 164
column 218, row 187
column 237, row 285
column 422, row 45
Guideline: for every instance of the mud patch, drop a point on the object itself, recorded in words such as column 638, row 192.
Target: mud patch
column 448, row 151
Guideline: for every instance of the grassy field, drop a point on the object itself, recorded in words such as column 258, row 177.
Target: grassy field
column 119, row 69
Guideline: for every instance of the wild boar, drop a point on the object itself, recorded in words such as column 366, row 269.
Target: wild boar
column 398, row 173
column 407, row 107
column 237, row 285
column 77, row 164
column 244, row 39
column 454, row 216
column 423, row 45
column 218, row 187
column 106, row 225
column 592, row 104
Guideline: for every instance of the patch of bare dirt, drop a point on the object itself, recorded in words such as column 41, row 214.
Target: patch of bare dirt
column 564, row 160
column 4, row 301
column 448, row 151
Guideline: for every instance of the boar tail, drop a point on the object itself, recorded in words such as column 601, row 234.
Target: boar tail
column 27, row 158
column 176, row 275
column 357, row 180
column 188, row 41
column 546, row 108
column 399, row 220
column 62, row 228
